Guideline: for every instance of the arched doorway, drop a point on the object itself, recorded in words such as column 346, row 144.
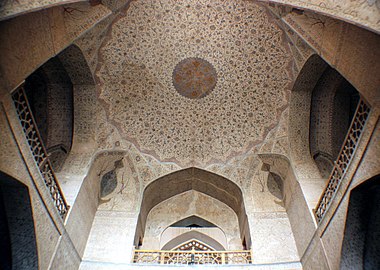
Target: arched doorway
column 18, row 249
column 361, row 243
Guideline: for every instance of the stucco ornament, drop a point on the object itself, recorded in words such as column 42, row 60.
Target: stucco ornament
column 194, row 78
column 235, row 91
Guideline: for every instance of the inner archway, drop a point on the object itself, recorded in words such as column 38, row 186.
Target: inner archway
column 199, row 180
column 167, row 220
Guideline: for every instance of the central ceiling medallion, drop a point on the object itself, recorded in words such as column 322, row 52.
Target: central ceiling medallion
column 194, row 78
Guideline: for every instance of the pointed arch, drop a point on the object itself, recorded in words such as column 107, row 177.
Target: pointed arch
column 187, row 237
column 299, row 113
column 191, row 221
column 199, row 180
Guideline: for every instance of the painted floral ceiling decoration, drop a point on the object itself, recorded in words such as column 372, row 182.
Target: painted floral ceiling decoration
column 244, row 64
column 194, row 78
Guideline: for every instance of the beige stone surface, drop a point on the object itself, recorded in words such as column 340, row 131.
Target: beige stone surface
column 332, row 237
column 47, row 234
column 315, row 257
column 70, row 21
column 34, row 46
column 272, row 238
column 187, row 204
column 364, row 13
column 10, row 9
column 83, row 211
column 127, row 112
column 115, row 232
column 41, row 35
column 66, row 256
column 348, row 48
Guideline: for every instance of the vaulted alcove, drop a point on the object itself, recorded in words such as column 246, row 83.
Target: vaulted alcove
column 50, row 95
column 208, row 192
column 333, row 104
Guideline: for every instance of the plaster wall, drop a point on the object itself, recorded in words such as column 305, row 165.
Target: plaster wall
column 332, row 235
column 293, row 202
column 272, row 238
column 83, row 211
column 111, row 237
column 271, row 231
column 58, row 246
column 115, row 220
column 66, row 256
column 349, row 49
column 78, row 162
column 46, row 232
column 55, row 248
column 28, row 41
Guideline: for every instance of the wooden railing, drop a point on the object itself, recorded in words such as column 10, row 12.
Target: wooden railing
column 344, row 158
column 38, row 150
column 192, row 257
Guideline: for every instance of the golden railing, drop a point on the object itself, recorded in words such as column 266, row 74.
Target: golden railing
column 344, row 158
column 192, row 257
column 38, row 150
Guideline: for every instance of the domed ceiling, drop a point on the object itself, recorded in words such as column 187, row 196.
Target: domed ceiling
column 194, row 82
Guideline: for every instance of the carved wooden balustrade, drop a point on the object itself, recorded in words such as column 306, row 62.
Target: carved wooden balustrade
column 38, row 150
column 192, row 257
column 344, row 158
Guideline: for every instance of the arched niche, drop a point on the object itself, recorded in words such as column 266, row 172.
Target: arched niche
column 50, row 95
column 61, row 94
column 18, row 249
column 361, row 242
column 199, row 180
column 299, row 114
column 84, row 105
column 333, row 105
column 193, row 235
column 62, row 97
column 321, row 109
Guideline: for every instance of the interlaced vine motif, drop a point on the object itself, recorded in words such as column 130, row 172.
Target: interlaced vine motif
column 344, row 158
column 38, row 150
column 192, row 257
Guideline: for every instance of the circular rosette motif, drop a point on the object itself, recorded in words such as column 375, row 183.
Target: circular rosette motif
column 194, row 82
column 194, row 78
